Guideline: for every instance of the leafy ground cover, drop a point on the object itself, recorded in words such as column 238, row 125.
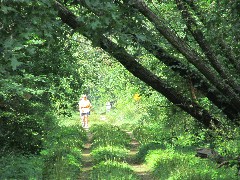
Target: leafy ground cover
column 109, row 152
column 60, row 157
column 113, row 153
column 107, row 134
column 113, row 170
column 170, row 164
column 158, row 159
column 110, row 155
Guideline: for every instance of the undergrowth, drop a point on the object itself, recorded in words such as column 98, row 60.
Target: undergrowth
column 109, row 153
column 106, row 134
column 112, row 170
column 169, row 164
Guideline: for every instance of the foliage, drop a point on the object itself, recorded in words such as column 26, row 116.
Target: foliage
column 168, row 164
column 145, row 148
column 107, row 134
column 113, row 153
column 171, row 129
column 66, row 136
column 169, row 50
column 38, row 75
column 45, row 66
column 227, row 141
column 62, row 153
column 21, row 131
column 112, row 170
column 62, row 163
column 18, row 166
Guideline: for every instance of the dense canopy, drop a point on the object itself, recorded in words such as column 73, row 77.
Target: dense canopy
column 168, row 69
column 198, row 41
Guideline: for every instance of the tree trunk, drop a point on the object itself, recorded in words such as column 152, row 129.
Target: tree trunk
column 210, row 92
column 210, row 54
column 142, row 73
column 189, row 53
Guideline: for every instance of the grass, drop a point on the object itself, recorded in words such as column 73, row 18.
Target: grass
column 113, row 153
column 169, row 164
column 113, row 170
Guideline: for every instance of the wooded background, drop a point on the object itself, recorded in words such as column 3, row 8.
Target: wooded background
column 180, row 56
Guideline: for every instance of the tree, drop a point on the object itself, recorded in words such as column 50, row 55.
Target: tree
column 38, row 74
column 177, row 33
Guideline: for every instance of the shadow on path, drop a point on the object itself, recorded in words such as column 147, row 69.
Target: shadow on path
column 141, row 170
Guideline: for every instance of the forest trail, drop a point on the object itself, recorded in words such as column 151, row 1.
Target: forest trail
column 87, row 161
column 141, row 170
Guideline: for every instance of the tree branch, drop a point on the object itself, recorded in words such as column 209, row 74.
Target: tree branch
column 226, row 49
column 130, row 63
column 189, row 53
column 210, row 54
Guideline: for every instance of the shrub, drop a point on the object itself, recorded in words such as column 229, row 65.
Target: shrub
column 109, row 153
column 168, row 164
column 25, row 132
column 20, row 167
column 112, row 170
column 144, row 149
column 62, row 156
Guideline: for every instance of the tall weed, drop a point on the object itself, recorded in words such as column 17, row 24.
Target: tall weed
column 109, row 153
column 106, row 134
column 168, row 164
column 112, row 170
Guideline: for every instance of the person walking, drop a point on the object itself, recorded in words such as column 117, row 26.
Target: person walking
column 84, row 109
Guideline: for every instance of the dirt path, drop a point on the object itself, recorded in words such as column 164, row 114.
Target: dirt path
column 141, row 170
column 87, row 161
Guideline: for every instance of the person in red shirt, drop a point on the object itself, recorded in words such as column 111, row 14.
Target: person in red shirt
column 84, row 109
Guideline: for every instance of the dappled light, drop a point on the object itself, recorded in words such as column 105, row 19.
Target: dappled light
column 110, row 90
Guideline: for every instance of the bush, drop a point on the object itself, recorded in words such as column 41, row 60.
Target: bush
column 168, row 164
column 105, row 134
column 151, row 132
column 20, row 167
column 112, row 170
column 109, row 153
column 62, row 156
column 62, row 163
column 144, row 149
column 25, row 132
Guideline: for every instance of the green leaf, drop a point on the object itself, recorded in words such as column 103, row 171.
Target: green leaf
column 6, row 9
column 141, row 37
column 15, row 63
column 95, row 25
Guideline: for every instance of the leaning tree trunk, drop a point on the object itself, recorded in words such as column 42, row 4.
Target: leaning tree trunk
column 130, row 63
column 189, row 53
column 208, row 51
column 182, row 70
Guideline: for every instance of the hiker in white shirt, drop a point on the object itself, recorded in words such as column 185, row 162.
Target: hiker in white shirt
column 84, row 109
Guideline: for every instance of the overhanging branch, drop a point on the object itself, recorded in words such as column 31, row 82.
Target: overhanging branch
column 142, row 73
